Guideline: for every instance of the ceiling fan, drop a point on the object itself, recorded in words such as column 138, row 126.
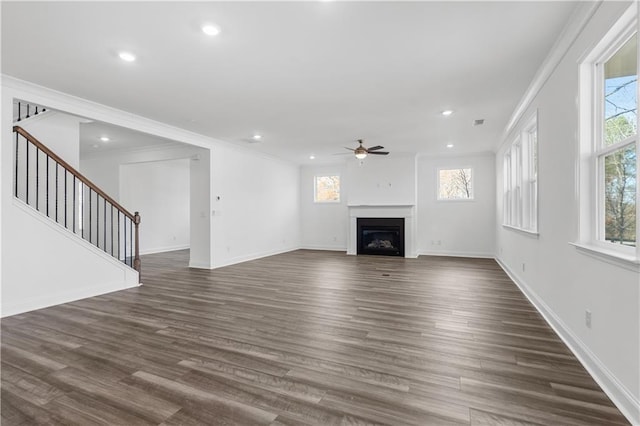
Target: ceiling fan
column 361, row 152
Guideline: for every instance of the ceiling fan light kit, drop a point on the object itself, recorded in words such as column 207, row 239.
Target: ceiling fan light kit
column 361, row 152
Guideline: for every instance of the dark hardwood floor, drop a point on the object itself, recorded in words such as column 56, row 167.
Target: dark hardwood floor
column 306, row 337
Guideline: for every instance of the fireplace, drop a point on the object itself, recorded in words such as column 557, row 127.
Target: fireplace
column 380, row 236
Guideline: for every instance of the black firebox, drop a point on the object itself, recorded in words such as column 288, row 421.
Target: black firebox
column 381, row 236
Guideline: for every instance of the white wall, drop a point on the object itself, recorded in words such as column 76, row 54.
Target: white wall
column 562, row 281
column 463, row 228
column 452, row 227
column 43, row 263
column 382, row 180
column 201, row 229
column 160, row 188
column 257, row 213
column 59, row 132
column 47, row 265
column 174, row 203
column 323, row 225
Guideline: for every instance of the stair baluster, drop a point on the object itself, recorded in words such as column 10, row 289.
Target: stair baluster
column 114, row 236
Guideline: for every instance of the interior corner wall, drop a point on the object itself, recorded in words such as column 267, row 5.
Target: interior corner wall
column 324, row 224
column 255, row 206
column 161, row 189
column 562, row 281
column 457, row 227
column 189, row 225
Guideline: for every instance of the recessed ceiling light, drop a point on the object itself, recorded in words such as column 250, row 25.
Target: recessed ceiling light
column 449, row 145
column 211, row 30
column 447, row 112
column 127, row 56
column 312, row 157
column 257, row 137
column 104, row 139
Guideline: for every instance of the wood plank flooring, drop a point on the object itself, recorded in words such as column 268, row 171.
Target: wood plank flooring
column 306, row 337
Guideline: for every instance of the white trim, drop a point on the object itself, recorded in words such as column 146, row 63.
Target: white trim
column 579, row 18
column 475, row 255
column 130, row 277
column 198, row 265
column 324, row 248
column 253, row 256
column 471, row 196
column 591, row 149
column 407, row 211
column 59, row 298
column 622, row 397
column 164, row 249
column 612, row 257
column 69, row 104
column 71, row 235
column 315, row 188
column 528, row 233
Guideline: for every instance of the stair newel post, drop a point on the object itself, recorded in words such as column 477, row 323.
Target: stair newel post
column 136, row 259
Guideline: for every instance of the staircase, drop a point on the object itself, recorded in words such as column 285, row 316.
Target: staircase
column 51, row 186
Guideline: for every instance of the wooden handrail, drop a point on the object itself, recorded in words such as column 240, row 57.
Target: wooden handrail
column 73, row 171
column 134, row 218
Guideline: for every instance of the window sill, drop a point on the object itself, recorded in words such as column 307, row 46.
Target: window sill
column 531, row 234
column 613, row 257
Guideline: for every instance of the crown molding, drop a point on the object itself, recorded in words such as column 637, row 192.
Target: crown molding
column 74, row 105
column 578, row 20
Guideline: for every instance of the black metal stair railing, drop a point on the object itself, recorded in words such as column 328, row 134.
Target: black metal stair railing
column 23, row 110
column 50, row 185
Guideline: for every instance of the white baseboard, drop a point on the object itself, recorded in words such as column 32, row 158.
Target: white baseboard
column 327, row 248
column 65, row 297
column 480, row 255
column 198, row 265
column 253, row 256
column 164, row 249
column 626, row 402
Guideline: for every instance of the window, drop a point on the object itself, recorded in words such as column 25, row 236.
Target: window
column 455, row 184
column 615, row 150
column 609, row 140
column 520, row 179
column 326, row 189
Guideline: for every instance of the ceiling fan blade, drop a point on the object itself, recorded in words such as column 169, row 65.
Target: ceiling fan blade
column 379, row 153
column 375, row 148
column 342, row 153
column 350, row 149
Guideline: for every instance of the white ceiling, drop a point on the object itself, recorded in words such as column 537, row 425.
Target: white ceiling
column 311, row 77
column 119, row 138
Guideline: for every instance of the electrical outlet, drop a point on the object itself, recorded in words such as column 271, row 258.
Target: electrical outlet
column 587, row 318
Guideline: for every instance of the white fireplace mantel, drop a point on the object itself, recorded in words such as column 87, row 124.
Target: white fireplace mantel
column 406, row 211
